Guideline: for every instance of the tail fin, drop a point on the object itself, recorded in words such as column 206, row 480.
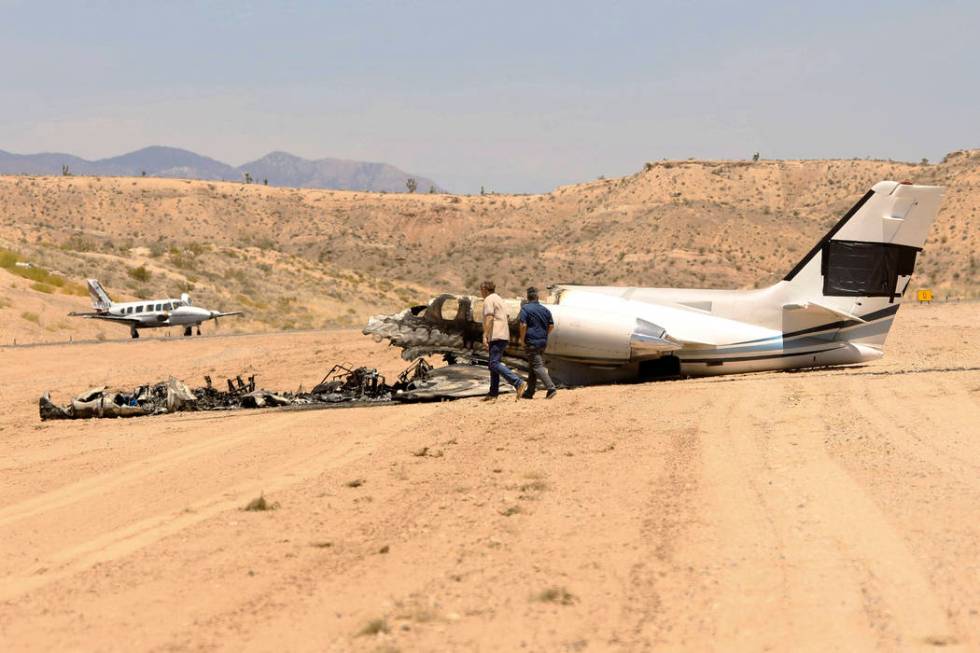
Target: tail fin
column 100, row 299
column 871, row 251
column 865, row 262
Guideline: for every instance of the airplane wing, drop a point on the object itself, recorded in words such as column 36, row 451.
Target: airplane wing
column 104, row 316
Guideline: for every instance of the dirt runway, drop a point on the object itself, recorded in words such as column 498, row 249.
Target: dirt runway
column 822, row 510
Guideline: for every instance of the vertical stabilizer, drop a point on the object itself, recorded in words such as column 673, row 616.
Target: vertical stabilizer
column 100, row 299
column 860, row 269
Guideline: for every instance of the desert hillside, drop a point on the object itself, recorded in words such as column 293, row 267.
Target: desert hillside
column 299, row 258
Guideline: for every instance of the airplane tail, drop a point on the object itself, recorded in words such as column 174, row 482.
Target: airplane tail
column 858, row 270
column 100, row 298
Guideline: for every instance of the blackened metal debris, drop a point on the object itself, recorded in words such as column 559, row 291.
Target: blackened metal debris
column 342, row 385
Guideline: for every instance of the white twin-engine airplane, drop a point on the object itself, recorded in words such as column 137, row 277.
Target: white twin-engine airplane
column 834, row 308
column 149, row 313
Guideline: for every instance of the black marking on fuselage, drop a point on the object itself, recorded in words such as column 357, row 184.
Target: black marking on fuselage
column 870, row 317
column 738, row 359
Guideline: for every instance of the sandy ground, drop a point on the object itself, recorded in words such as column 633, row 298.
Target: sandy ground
column 825, row 510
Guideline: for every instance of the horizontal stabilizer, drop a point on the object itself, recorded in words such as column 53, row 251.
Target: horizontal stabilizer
column 821, row 308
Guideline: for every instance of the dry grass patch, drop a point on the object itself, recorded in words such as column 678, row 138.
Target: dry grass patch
column 556, row 595
column 374, row 627
column 260, row 504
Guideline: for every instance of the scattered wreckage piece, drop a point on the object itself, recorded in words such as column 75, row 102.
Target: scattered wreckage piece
column 344, row 382
column 168, row 397
column 457, row 381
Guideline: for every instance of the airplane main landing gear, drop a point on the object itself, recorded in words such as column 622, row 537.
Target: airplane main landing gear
column 134, row 333
column 198, row 329
column 188, row 331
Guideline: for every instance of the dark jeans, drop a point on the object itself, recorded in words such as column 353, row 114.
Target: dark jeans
column 535, row 360
column 498, row 369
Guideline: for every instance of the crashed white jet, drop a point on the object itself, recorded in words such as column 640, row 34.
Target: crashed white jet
column 833, row 308
column 149, row 313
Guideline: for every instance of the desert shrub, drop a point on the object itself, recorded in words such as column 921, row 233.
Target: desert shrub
column 31, row 317
column 374, row 627
column 7, row 258
column 140, row 274
column 558, row 595
column 42, row 287
column 158, row 249
column 79, row 243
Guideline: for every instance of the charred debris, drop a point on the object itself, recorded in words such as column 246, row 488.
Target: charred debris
column 344, row 385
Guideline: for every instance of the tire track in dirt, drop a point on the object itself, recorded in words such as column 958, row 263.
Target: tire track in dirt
column 865, row 566
column 130, row 538
column 916, row 426
column 739, row 549
column 924, row 486
column 669, row 513
column 783, row 542
column 129, row 473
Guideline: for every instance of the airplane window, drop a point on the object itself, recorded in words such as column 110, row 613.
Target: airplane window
column 168, row 306
column 159, row 307
column 129, row 310
column 139, row 309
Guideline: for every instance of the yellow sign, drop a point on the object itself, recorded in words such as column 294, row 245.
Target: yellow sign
column 924, row 295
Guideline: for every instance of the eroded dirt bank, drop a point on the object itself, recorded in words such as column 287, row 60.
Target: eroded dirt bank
column 832, row 509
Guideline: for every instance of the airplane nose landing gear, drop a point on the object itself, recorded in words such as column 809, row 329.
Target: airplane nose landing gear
column 198, row 329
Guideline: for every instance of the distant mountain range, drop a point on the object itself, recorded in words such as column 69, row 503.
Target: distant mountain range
column 278, row 168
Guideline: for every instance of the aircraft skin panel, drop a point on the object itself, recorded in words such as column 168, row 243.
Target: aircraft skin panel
column 682, row 324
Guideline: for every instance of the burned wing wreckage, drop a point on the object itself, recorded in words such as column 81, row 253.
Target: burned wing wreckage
column 344, row 385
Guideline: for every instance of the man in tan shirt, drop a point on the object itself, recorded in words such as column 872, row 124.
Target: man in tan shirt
column 496, row 335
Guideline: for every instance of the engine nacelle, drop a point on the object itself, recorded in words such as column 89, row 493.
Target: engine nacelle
column 589, row 335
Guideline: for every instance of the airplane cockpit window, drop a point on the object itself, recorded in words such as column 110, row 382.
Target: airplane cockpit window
column 168, row 306
column 139, row 309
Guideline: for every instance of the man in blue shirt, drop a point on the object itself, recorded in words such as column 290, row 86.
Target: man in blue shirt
column 536, row 324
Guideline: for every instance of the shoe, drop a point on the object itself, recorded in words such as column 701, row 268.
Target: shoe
column 489, row 398
column 551, row 394
column 528, row 395
column 521, row 387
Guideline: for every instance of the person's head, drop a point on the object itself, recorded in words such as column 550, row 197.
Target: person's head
column 487, row 288
column 532, row 294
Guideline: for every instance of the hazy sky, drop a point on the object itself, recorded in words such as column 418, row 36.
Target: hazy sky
column 514, row 96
